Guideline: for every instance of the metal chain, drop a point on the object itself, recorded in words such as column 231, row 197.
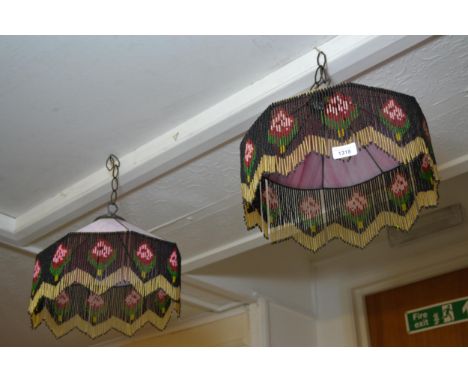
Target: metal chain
column 113, row 164
column 321, row 75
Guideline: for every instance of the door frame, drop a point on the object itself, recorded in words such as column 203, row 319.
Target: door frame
column 460, row 261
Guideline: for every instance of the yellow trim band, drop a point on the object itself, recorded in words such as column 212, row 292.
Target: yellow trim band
column 94, row 331
column 81, row 277
column 385, row 218
column 322, row 146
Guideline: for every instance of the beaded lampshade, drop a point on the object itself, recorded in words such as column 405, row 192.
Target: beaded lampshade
column 340, row 162
column 109, row 274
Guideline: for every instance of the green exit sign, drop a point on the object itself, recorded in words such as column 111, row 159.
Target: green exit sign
column 437, row 315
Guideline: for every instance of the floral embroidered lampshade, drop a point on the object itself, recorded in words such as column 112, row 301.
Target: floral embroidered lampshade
column 109, row 274
column 341, row 162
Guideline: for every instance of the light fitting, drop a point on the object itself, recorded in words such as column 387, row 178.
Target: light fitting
column 109, row 274
column 337, row 162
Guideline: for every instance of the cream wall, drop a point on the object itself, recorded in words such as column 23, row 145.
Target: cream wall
column 260, row 324
column 290, row 328
column 281, row 273
column 339, row 280
column 230, row 330
column 305, row 299
column 323, row 286
column 263, row 323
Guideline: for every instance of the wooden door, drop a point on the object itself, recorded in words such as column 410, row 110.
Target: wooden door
column 386, row 312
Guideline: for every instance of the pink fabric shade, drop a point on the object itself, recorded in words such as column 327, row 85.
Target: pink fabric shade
column 337, row 173
column 110, row 224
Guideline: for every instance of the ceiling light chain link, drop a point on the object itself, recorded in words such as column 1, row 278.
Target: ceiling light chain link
column 321, row 76
column 113, row 164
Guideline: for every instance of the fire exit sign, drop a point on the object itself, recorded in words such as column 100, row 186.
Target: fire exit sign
column 437, row 315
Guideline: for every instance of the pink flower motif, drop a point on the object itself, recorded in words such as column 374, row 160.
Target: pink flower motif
column 37, row 270
column 356, row 204
column 95, row 301
column 309, row 207
column 248, row 154
column 173, row 260
column 161, row 295
column 62, row 299
column 399, row 185
column 339, row 107
column 59, row 256
column 132, row 299
column 394, row 113
column 270, row 198
column 281, row 124
column 426, row 163
column 102, row 250
column 145, row 254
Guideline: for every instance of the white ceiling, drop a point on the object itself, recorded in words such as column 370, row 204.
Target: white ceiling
column 68, row 102
column 436, row 73
column 201, row 198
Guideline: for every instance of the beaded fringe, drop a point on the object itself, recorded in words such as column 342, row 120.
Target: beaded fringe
column 357, row 239
column 80, row 277
column 136, row 281
column 289, row 130
column 94, row 331
column 284, row 165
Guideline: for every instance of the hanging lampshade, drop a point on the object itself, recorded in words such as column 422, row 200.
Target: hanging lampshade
column 340, row 162
column 109, row 274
